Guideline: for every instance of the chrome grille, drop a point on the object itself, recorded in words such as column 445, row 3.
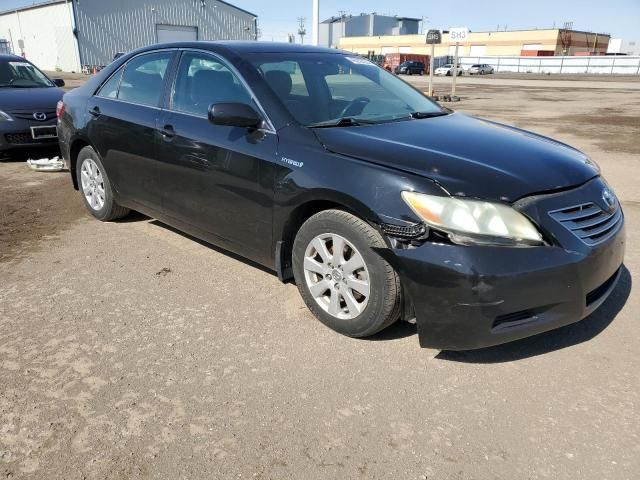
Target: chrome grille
column 28, row 114
column 589, row 222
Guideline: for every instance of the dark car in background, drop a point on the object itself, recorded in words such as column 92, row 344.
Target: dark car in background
column 410, row 68
column 28, row 100
column 326, row 168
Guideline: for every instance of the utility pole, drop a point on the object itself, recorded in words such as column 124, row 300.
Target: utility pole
column 343, row 14
column 302, row 31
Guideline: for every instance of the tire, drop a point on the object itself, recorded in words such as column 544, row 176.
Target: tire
column 95, row 188
column 376, row 311
column 421, row 72
column 449, row 73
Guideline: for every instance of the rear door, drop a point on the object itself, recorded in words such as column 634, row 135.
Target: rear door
column 124, row 115
column 210, row 175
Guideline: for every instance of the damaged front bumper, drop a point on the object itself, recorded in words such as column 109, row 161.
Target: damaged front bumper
column 472, row 297
column 468, row 297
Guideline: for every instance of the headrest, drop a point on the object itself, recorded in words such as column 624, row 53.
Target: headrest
column 280, row 81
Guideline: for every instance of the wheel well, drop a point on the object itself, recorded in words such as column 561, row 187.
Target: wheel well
column 73, row 159
column 293, row 224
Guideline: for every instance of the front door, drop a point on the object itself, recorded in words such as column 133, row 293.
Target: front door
column 124, row 116
column 210, row 175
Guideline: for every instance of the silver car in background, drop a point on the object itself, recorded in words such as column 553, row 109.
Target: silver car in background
column 480, row 69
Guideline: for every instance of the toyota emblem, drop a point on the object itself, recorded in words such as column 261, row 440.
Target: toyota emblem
column 40, row 116
column 609, row 199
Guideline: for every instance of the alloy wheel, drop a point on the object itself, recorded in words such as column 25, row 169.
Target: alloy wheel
column 92, row 184
column 336, row 276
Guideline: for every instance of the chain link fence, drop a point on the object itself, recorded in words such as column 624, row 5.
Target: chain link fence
column 578, row 64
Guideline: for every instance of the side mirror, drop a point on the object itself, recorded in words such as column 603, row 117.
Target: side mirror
column 58, row 82
column 234, row 115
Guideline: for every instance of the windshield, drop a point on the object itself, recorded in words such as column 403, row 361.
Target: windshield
column 19, row 74
column 320, row 88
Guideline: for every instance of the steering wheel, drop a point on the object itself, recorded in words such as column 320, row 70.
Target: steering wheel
column 346, row 111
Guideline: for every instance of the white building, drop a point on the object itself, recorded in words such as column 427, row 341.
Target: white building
column 619, row 46
column 70, row 35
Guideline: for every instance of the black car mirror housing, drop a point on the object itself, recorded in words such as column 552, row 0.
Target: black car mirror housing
column 234, row 115
column 58, row 82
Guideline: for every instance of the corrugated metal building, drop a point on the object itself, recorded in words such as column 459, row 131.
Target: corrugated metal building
column 365, row 24
column 72, row 35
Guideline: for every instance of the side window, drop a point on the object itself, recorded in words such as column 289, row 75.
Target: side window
column 143, row 79
column 110, row 88
column 201, row 81
column 285, row 78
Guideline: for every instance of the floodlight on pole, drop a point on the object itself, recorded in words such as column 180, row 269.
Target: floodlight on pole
column 315, row 35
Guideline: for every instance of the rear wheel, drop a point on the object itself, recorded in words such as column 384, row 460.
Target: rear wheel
column 345, row 284
column 95, row 187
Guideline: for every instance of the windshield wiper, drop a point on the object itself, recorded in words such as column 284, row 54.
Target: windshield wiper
column 420, row 115
column 341, row 122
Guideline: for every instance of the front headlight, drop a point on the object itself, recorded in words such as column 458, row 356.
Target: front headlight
column 5, row 117
column 473, row 221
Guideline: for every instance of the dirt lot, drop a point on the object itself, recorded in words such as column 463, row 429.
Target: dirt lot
column 128, row 350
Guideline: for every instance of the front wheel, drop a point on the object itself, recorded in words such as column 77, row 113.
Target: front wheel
column 95, row 187
column 344, row 283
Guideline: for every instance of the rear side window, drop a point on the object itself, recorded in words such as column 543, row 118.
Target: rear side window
column 143, row 79
column 110, row 88
column 202, row 81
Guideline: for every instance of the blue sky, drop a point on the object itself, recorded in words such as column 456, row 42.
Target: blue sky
column 621, row 18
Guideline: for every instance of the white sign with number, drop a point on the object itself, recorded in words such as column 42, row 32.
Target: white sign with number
column 458, row 34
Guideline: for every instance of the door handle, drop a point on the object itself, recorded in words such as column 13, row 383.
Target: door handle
column 95, row 111
column 167, row 132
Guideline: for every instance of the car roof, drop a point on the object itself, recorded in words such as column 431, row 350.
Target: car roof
column 7, row 57
column 248, row 47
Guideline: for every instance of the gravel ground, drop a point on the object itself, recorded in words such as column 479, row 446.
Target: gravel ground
column 129, row 350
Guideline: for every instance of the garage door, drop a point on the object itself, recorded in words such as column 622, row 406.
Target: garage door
column 176, row 33
column 478, row 51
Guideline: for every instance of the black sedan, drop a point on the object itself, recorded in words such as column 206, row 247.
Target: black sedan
column 28, row 100
column 326, row 168
column 410, row 68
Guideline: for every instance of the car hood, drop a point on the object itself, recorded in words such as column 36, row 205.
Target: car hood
column 30, row 98
column 466, row 155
